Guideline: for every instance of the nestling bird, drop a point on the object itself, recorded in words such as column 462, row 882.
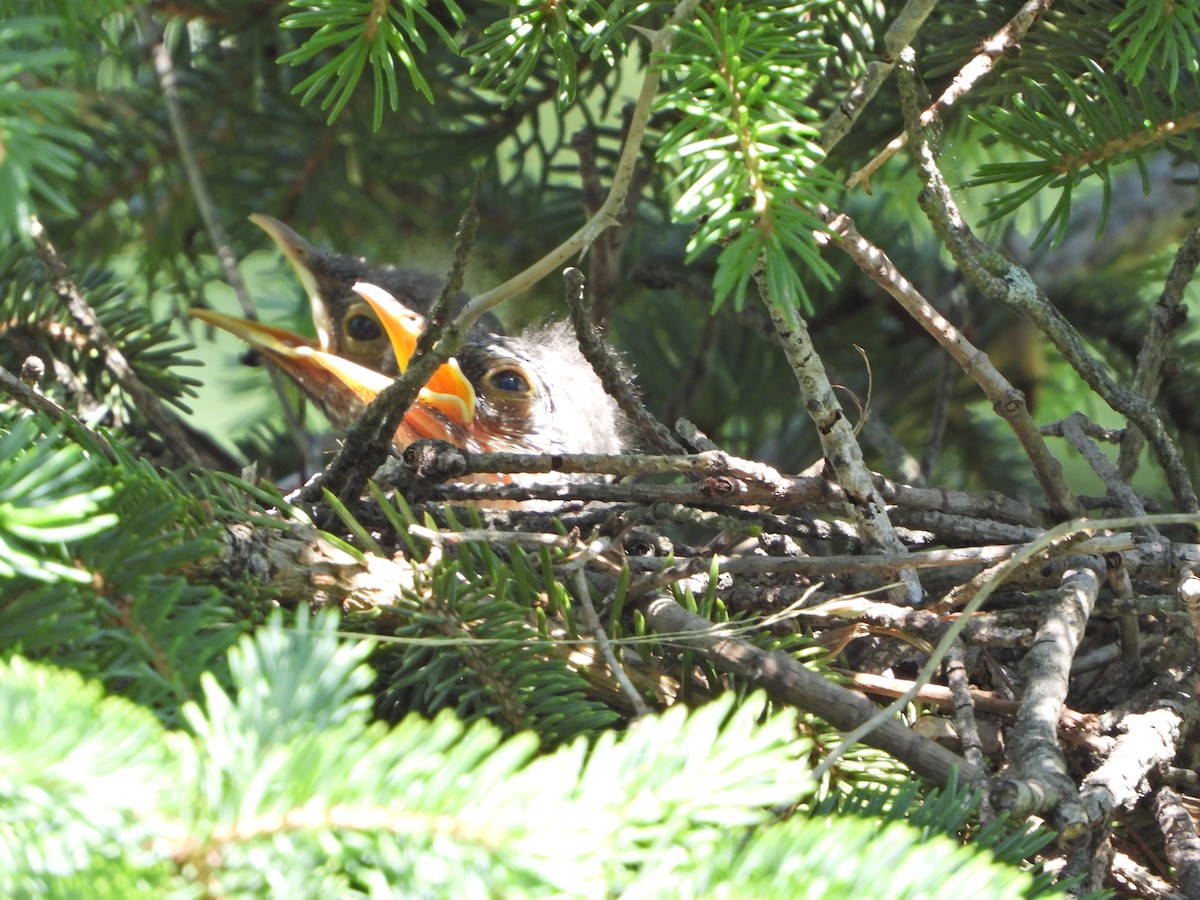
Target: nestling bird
column 345, row 324
column 534, row 393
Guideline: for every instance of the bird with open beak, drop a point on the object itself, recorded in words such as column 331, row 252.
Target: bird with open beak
column 533, row 393
column 346, row 325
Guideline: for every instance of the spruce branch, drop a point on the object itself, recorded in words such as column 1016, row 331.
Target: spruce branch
column 178, row 448
column 1012, row 285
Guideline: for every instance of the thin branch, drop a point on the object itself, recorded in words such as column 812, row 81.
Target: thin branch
column 1180, row 838
column 836, row 435
column 1002, row 280
column 992, row 50
column 1040, row 780
column 607, row 215
column 369, row 438
column 32, row 400
column 1073, row 428
column 900, row 34
column 1167, row 317
column 787, row 681
column 1056, row 536
column 169, row 85
column 1007, row 401
column 596, row 627
column 616, row 382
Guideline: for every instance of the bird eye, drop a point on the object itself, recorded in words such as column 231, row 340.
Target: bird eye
column 363, row 328
column 509, row 380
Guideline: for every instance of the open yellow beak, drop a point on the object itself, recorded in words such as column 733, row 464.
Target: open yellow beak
column 444, row 407
column 298, row 252
column 448, row 390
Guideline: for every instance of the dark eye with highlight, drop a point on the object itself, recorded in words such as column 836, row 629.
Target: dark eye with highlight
column 509, row 380
column 363, row 328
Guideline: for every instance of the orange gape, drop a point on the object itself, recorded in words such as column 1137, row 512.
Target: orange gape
column 444, row 409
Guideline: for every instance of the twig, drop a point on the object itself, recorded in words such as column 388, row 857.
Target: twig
column 616, row 382
column 1002, row 280
column 1055, row 536
column 32, row 400
column 607, row 215
column 169, row 84
column 143, row 399
column 787, row 681
column 959, row 682
column 1179, row 835
column 1166, row 318
column 1040, row 780
column 1150, row 740
column 1188, row 592
column 899, row 35
column 596, row 627
column 992, row 50
column 1007, row 401
column 1073, row 430
column 836, row 435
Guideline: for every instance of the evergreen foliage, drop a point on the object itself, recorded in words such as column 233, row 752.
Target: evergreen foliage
column 282, row 785
column 167, row 731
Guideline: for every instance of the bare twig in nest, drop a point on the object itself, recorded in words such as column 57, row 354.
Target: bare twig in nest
column 787, row 681
column 1040, row 780
column 1179, row 835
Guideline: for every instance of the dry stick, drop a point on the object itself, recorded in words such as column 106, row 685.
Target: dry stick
column 1136, row 880
column 787, row 681
column 1006, row 282
column 1040, row 780
column 145, row 401
column 1179, row 835
column 1015, row 563
column 169, row 84
column 607, row 215
column 836, row 435
column 1167, row 317
column 1007, row 401
column 964, row 707
column 1073, row 430
column 616, row 384
column 991, row 51
column 1188, row 592
column 1150, row 741
column 900, row 34
column 600, row 636
column 32, row 400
